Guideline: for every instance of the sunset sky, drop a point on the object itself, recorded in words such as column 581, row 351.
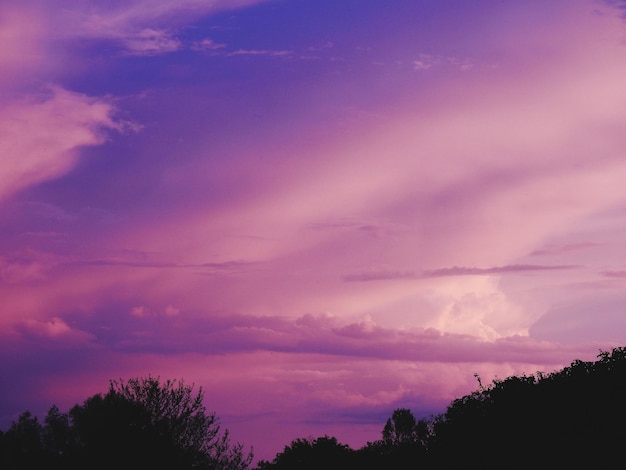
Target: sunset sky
column 317, row 210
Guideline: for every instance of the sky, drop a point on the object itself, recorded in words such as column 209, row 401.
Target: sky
column 318, row 211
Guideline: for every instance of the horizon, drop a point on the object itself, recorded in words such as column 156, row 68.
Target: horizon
column 317, row 211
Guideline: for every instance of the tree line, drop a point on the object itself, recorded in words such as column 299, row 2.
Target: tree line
column 570, row 418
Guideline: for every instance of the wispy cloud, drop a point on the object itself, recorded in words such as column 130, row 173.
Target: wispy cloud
column 619, row 274
column 204, row 268
column 380, row 276
column 149, row 42
column 561, row 249
column 261, row 52
column 40, row 136
column 385, row 275
column 139, row 27
column 429, row 61
column 207, row 44
column 16, row 270
column 507, row 269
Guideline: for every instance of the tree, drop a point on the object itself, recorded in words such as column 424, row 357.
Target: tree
column 311, row 454
column 401, row 428
column 177, row 420
column 56, row 437
column 140, row 423
column 23, row 443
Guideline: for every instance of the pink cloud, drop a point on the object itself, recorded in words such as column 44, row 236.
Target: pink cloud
column 137, row 25
column 40, row 137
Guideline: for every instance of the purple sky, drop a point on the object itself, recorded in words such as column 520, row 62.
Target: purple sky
column 317, row 210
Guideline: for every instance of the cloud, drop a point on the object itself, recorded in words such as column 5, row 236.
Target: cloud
column 614, row 273
column 39, row 138
column 385, row 275
column 425, row 62
column 16, row 270
column 149, row 42
column 139, row 27
column 55, row 329
column 257, row 52
column 379, row 276
column 174, row 331
column 127, row 15
column 207, row 44
column 428, row 61
column 371, row 228
column 507, row 269
column 562, row 249
column 140, row 260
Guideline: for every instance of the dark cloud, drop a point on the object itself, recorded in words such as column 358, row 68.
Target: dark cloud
column 126, row 329
column 453, row 271
column 510, row 268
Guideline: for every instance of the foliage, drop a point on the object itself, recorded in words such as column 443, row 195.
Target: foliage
column 141, row 423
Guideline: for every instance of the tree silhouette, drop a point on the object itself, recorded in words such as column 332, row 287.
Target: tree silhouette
column 401, row 428
column 311, row 454
column 403, row 443
column 179, row 418
column 22, row 446
column 572, row 418
column 141, row 423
